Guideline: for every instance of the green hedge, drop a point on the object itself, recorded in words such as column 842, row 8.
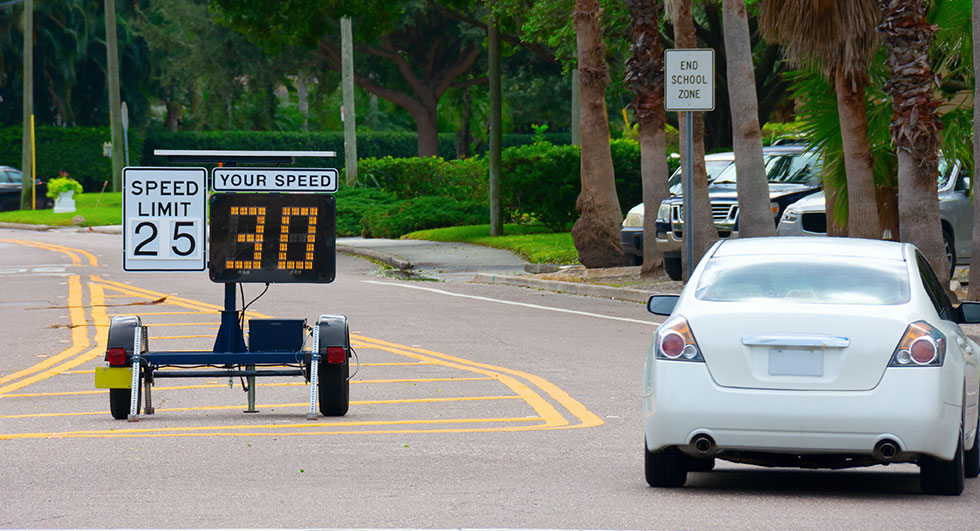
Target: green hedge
column 76, row 151
column 430, row 212
column 409, row 178
column 354, row 203
column 542, row 180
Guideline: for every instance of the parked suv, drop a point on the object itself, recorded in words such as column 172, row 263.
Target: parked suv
column 807, row 217
column 792, row 172
column 632, row 231
column 10, row 186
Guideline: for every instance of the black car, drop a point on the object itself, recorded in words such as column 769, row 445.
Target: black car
column 11, row 183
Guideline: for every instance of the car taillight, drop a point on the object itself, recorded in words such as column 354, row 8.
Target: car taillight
column 116, row 356
column 336, row 355
column 922, row 345
column 675, row 341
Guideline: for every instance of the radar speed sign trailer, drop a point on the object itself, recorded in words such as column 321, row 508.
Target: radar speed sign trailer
column 267, row 225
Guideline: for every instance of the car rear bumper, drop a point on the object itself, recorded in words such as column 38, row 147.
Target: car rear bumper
column 683, row 402
column 632, row 239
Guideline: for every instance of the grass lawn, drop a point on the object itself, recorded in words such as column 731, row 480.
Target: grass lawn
column 97, row 209
column 534, row 243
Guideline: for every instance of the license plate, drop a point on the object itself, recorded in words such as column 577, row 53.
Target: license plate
column 113, row 377
column 795, row 362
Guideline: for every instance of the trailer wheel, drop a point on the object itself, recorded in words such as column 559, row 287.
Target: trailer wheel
column 334, row 389
column 119, row 400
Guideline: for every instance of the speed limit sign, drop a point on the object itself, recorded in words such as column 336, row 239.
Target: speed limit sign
column 164, row 219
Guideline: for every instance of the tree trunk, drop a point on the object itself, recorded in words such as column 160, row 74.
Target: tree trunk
column 645, row 76
column 833, row 228
column 973, row 292
column 701, row 225
column 428, row 132
column 496, row 135
column 304, row 103
column 914, row 127
column 755, row 218
column 862, row 207
column 174, row 112
column 596, row 231
column 115, row 105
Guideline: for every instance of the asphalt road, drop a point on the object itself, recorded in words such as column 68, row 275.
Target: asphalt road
column 475, row 406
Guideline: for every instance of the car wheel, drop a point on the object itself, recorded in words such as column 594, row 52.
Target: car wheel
column 971, row 458
column 943, row 477
column 666, row 468
column 672, row 265
column 950, row 251
column 701, row 465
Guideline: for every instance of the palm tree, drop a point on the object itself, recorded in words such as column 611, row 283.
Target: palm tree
column 839, row 37
column 596, row 231
column 754, row 214
column 645, row 76
column 702, row 226
column 915, row 126
column 974, row 290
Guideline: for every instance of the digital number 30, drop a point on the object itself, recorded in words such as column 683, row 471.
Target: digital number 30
column 148, row 231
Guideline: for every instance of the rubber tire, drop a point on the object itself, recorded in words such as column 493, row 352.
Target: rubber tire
column 672, row 265
column 940, row 477
column 634, row 260
column 950, row 251
column 334, row 389
column 971, row 457
column 706, row 464
column 119, row 400
column 666, row 468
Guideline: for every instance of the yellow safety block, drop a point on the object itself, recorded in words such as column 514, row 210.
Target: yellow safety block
column 114, row 377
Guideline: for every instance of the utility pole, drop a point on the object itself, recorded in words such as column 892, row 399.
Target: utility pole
column 115, row 105
column 27, row 142
column 493, row 45
column 350, row 117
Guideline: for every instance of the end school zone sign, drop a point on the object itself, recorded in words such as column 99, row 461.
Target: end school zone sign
column 163, row 219
column 689, row 76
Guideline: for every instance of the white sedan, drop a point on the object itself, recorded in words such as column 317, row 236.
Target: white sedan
column 813, row 353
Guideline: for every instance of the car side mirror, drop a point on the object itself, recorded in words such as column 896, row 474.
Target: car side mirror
column 969, row 312
column 664, row 304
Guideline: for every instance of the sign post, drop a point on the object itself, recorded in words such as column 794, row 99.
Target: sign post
column 689, row 86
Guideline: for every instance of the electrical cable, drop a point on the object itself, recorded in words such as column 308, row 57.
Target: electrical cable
column 356, row 360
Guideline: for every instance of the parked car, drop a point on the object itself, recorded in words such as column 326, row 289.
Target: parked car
column 632, row 231
column 11, row 184
column 813, row 353
column 792, row 172
column 807, row 217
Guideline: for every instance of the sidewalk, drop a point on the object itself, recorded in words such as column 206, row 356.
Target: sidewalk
column 463, row 262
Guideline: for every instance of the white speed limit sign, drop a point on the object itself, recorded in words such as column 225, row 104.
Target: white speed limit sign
column 164, row 218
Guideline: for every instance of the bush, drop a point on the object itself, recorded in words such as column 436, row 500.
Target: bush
column 63, row 183
column 542, row 180
column 76, row 151
column 402, row 217
column 408, row 178
column 354, row 203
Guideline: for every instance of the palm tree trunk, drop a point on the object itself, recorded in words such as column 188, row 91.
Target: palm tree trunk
column 702, row 226
column 862, row 207
column 754, row 215
column 914, row 127
column 645, row 75
column 596, row 231
column 973, row 292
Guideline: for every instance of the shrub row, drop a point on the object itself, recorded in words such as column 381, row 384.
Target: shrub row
column 76, row 151
column 409, row 178
column 430, row 212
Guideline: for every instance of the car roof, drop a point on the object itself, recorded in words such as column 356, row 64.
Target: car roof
column 796, row 246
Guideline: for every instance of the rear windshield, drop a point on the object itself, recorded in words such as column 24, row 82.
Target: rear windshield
column 809, row 279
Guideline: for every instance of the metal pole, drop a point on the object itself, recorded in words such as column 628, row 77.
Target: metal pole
column 493, row 156
column 689, row 191
column 347, row 82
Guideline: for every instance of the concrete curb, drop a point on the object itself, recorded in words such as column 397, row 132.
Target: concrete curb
column 24, row 226
column 102, row 229
column 393, row 261
column 575, row 288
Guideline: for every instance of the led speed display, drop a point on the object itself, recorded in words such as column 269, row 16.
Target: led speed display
column 272, row 237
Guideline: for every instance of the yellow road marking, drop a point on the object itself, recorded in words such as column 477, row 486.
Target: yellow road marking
column 183, row 432
column 547, row 414
column 70, row 252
